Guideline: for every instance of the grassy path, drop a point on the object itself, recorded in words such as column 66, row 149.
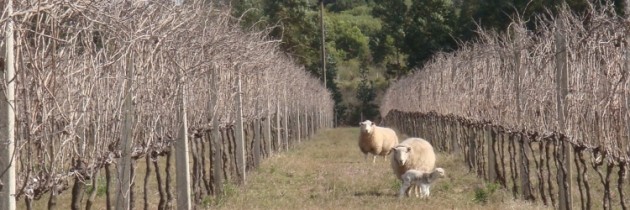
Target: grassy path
column 329, row 172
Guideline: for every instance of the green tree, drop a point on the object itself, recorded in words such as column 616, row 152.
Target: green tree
column 430, row 30
column 386, row 46
column 366, row 94
column 341, row 5
column 249, row 13
column 331, row 72
column 354, row 43
column 298, row 28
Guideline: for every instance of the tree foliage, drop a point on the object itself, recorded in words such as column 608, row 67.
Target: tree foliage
column 429, row 29
column 389, row 37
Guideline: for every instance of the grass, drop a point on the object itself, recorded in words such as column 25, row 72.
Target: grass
column 329, row 172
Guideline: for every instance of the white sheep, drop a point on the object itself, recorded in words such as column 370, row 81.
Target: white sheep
column 412, row 153
column 420, row 179
column 376, row 140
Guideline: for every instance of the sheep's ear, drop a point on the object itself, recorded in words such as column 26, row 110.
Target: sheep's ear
column 360, row 123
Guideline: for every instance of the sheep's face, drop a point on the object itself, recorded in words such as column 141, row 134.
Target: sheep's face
column 367, row 126
column 401, row 154
column 439, row 172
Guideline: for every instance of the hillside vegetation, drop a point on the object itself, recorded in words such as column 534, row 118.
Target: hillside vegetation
column 370, row 43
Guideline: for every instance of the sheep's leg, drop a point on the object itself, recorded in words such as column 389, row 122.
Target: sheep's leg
column 411, row 189
column 426, row 190
column 403, row 189
column 415, row 190
column 374, row 159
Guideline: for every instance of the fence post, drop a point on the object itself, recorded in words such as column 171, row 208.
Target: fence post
column 525, row 183
column 217, row 154
column 278, row 130
column 268, row 140
column 286, row 121
column 122, row 196
column 626, row 95
column 297, row 123
column 472, row 148
column 455, row 136
column 313, row 120
column 257, row 145
column 564, row 178
column 181, row 150
column 306, row 130
column 240, row 137
column 7, row 119
column 489, row 135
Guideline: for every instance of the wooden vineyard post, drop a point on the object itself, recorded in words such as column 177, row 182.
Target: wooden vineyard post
column 492, row 158
column 286, row 121
column 240, row 137
column 564, row 175
column 278, row 126
column 524, row 141
column 306, row 131
column 216, row 136
column 124, row 166
column 7, row 119
column 257, row 137
column 524, row 167
column 182, row 164
column 297, row 123
column 267, row 127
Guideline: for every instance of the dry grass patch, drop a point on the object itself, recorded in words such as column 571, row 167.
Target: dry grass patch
column 329, row 172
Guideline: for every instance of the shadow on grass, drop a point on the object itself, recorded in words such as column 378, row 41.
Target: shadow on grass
column 370, row 193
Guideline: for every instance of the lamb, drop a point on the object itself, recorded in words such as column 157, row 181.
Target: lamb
column 412, row 153
column 376, row 140
column 420, row 179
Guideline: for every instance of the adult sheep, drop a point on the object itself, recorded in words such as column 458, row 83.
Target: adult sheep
column 376, row 140
column 412, row 153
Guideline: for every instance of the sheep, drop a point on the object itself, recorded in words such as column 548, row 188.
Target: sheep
column 376, row 140
column 412, row 153
column 420, row 179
